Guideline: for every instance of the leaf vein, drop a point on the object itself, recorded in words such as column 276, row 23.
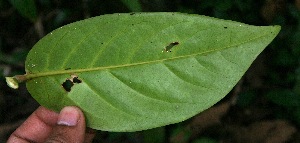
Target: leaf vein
column 69, row 55
column 139, row 93
column 182, row 78
column 30, row 76
column 150, row 36
column 51, row 51
column 104, row 99
column 93, row 62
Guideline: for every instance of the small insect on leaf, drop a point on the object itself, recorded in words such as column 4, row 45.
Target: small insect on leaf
column 170, row 46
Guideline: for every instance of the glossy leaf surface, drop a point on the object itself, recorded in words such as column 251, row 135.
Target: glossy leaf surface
column 131, row 72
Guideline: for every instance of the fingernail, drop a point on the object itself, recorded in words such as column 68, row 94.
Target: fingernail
column 68, row 116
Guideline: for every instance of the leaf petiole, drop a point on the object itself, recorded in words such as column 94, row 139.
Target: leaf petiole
column 13, row 82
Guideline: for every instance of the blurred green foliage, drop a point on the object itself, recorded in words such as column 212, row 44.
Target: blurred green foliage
column 19, row 28
column 26, row 8
column 133, row 5
column 156, row 135
column 205, row 140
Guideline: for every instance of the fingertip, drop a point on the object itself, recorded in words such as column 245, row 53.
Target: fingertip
column 70, row 126
column 69, row 116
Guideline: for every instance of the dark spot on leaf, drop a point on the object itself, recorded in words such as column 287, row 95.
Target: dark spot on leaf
column 170, row 46
column 67, row 68
column 225, row 27
column 76, row 80
column 67, row 85
column 101, row 43
column 132, row 13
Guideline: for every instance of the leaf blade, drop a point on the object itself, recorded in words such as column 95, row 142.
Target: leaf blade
column 128, row 77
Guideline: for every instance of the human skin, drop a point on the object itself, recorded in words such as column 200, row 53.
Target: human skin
column 44, row 125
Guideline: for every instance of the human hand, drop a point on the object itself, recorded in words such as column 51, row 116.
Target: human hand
column 44, row 125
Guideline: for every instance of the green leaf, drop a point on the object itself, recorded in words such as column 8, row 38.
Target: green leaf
column 131, row 72
column 26, row 8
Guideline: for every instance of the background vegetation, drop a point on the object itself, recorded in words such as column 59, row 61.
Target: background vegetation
column 263, row 107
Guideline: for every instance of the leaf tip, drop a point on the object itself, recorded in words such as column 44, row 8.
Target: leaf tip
column 12, row 82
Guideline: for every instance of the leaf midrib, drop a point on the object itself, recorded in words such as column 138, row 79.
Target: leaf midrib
column 60, row 72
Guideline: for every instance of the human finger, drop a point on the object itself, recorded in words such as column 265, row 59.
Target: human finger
column 70, row 126
column 36, row 128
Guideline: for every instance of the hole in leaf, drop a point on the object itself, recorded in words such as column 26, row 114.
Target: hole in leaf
column 76, row 80
column 170, row 46
column 69, row 83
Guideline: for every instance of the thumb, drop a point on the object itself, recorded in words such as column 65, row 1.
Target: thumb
column 70, row 126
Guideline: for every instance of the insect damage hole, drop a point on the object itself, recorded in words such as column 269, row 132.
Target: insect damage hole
column 70, row 82
column 76, row 80
column 67, row 85
column 170, row 46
